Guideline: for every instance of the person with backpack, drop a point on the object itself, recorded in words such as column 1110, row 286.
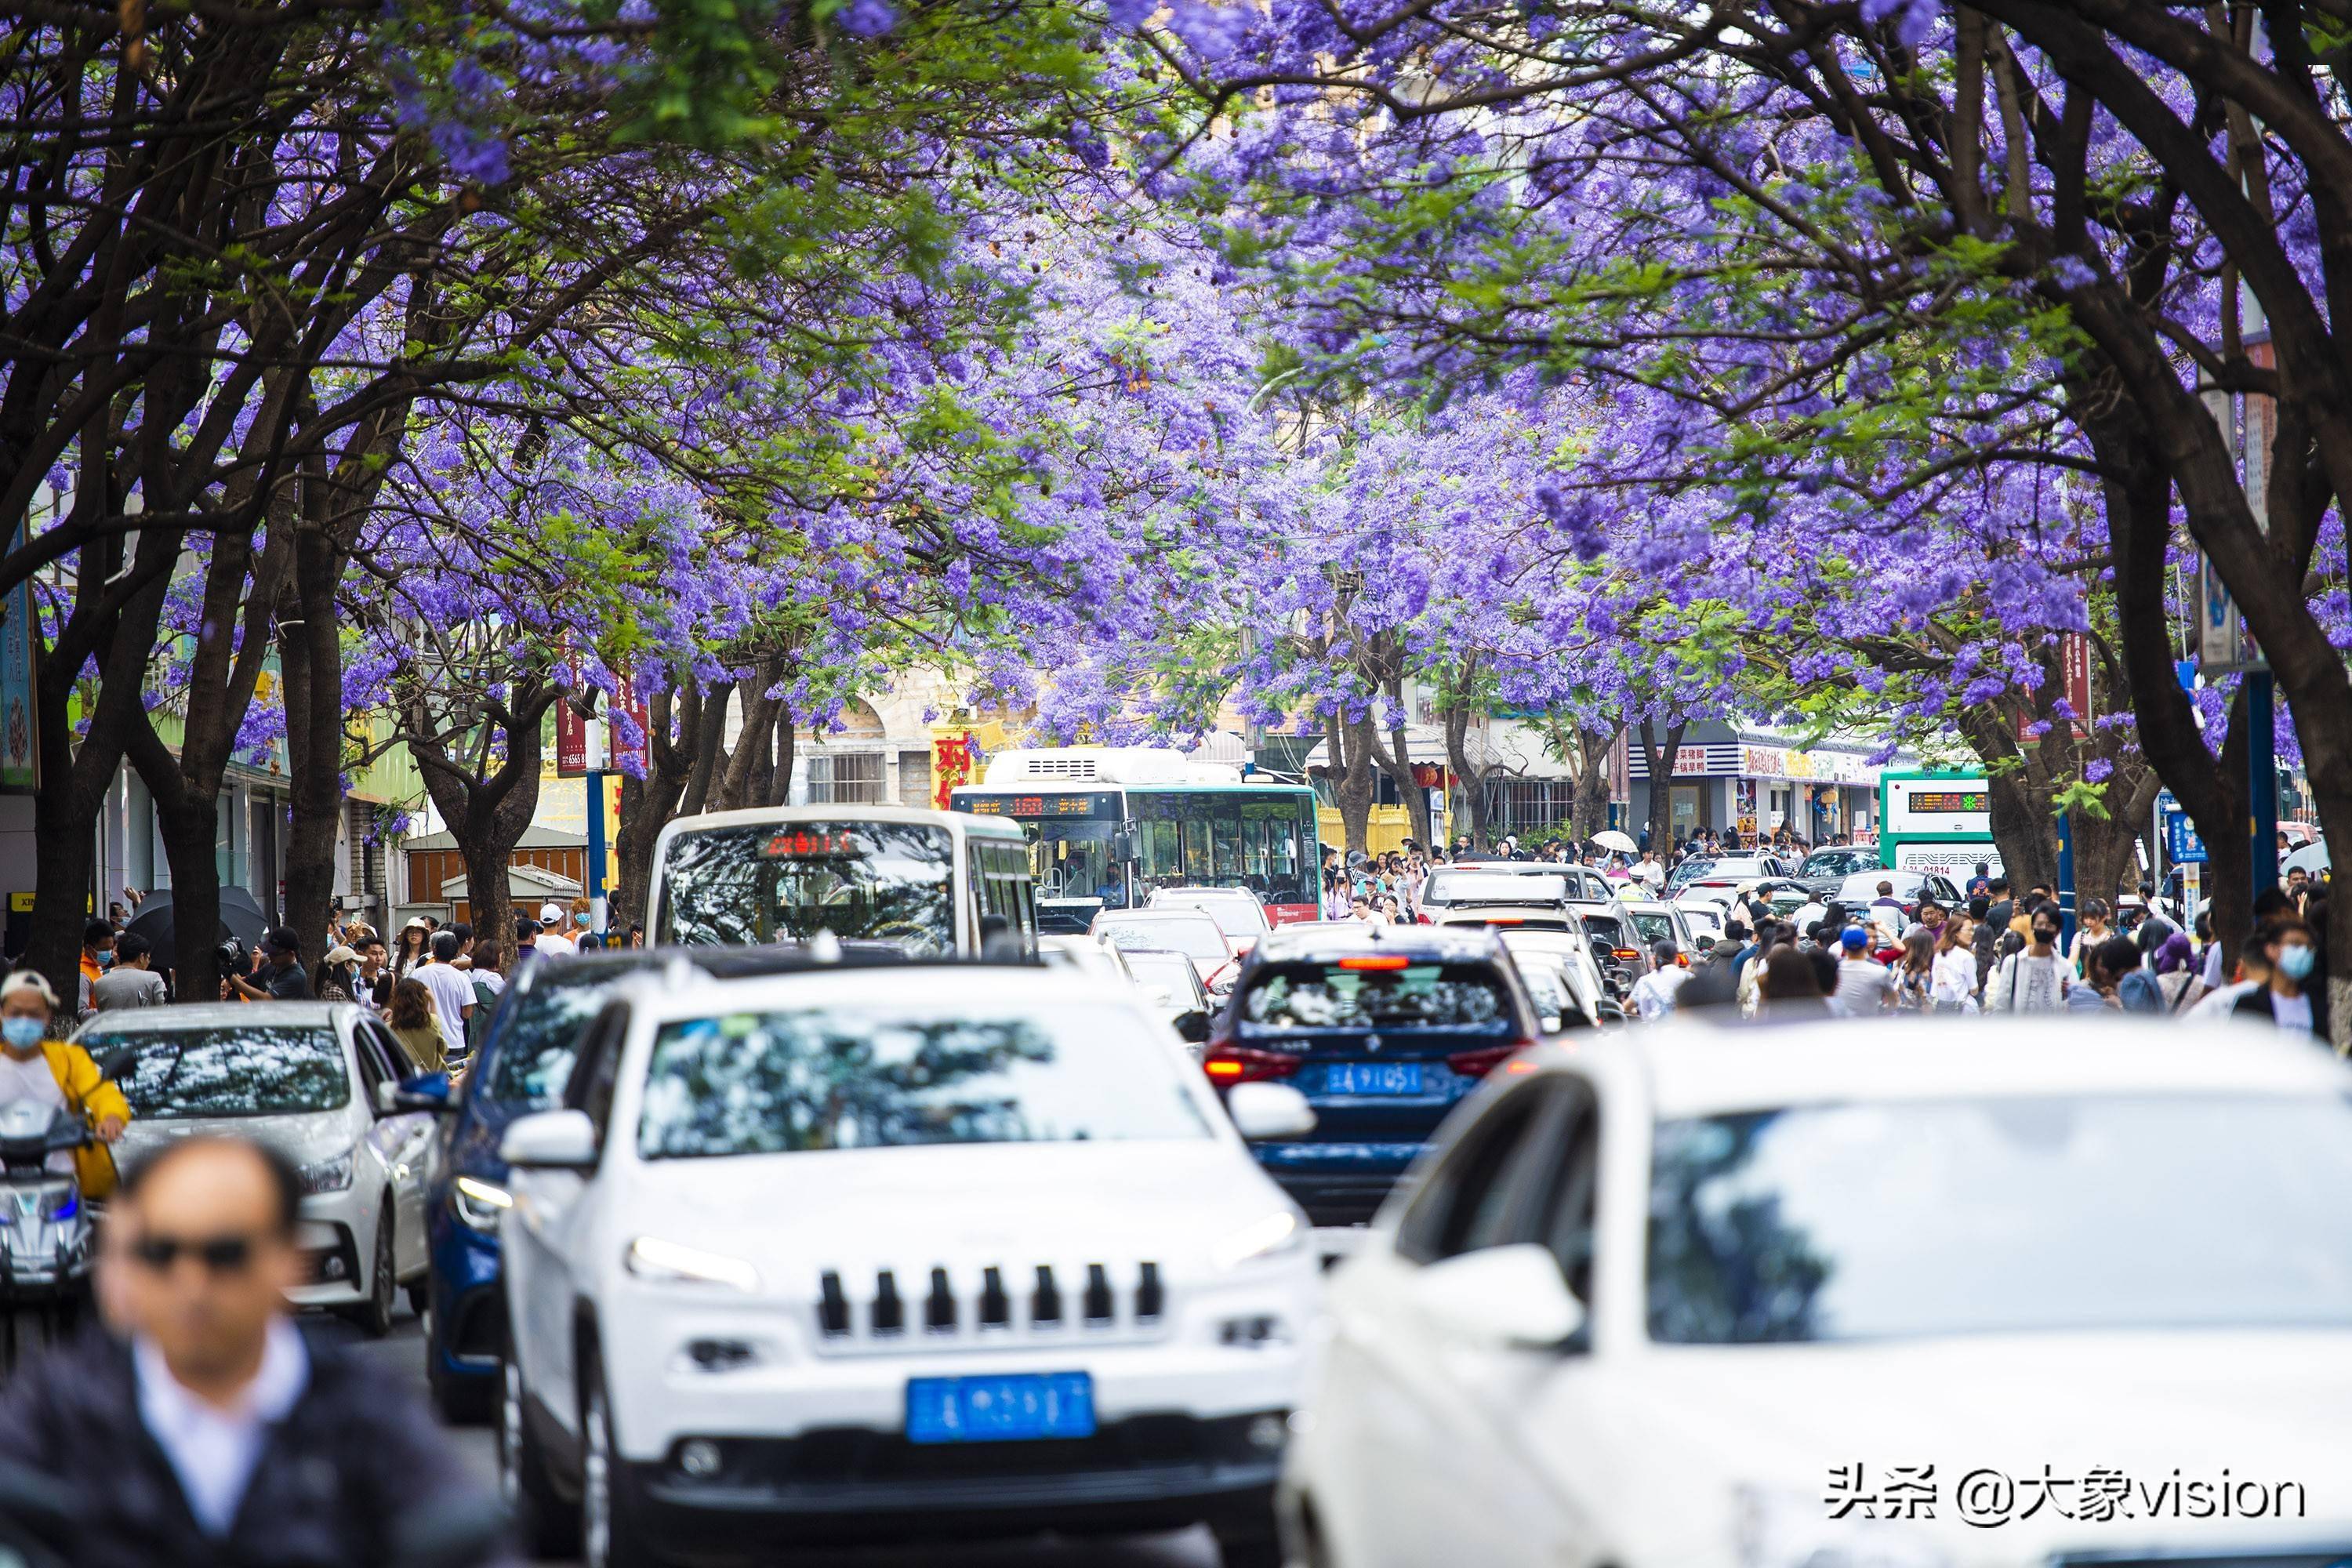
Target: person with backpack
column 2037, row 977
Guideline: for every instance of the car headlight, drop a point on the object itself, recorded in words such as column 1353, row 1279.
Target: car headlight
column 673, row 1263
column 1277, row 1232
column 1776, row 1528
column 478, row 1203
column 329, row 1175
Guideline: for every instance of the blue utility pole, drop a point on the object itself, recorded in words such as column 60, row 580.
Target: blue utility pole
column 2065, row 879
column 595, row 780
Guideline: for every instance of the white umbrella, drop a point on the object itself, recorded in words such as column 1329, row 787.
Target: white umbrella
column 1610, row 838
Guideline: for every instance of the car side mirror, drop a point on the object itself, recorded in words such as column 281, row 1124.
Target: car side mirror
column 118, row 1064
column 1507, row 1297
column 1192, row 1026
column 429, row 1093
column 1122, row 845
column 1267, row 1110
column 550, row 1140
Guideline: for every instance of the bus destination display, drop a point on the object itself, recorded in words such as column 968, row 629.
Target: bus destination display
column 1039, row 804
column 1945, row 803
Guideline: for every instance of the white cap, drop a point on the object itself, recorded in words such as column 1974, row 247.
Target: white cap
column 549, row 913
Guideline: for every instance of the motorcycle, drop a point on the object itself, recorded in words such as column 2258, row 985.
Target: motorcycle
column 48, row 1240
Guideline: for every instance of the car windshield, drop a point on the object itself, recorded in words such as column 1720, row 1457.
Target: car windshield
column 817, row 1079
column 1234, row 917
column 1375, row 993
column 1604, row 930
column 1194, row 936
column 1492, row 887
column 531, row 1055
column 883, row 881
column 1834, row 863
column 254, row 1070
column 1171, row 972
column 1654, row 926
column 1880, row 1221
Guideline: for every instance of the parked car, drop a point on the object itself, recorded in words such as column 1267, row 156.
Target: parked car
column 1172, row 987
column 326, row 1085
column 1086, row 956
column 1238, row 911
column 1443, row 885
column 1654, row 918
column 1728, row 873
column 1657, row 1302
column 1572, row 951
column 1860, row 890
column 1824, row 870
column 1193, row 932
column 1384, row 1029
column 951, row 1252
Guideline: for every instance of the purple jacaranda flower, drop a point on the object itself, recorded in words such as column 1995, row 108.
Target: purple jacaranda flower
column 867, row 19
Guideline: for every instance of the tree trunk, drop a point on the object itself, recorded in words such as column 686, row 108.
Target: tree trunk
column 1592, row 809
column 311, row 667
column 1396, row 762
column 1661, row 777
column 486, row 813
column 1469, row 783
column 1352, row 781
column 648, row 804
column 190, row 829
column 117, row 624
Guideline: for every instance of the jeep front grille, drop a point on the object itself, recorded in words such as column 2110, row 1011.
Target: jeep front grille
column 876, row 1312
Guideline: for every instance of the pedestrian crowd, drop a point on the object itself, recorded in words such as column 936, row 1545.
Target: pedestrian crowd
column 435, row 985
column 2007, row 952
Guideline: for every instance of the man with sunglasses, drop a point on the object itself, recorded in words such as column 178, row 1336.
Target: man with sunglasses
column 262, row 1448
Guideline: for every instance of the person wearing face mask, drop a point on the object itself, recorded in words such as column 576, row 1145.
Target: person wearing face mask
column 2035, row 978
column 35, row 1065
column 2291, row 950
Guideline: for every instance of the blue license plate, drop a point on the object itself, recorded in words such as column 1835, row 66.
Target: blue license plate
column 1020, row 1407
column 1373, row 1078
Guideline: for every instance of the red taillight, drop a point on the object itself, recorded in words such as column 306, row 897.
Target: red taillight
column 1240, row 1064
column 1683, row 960
column 1384, row 961
column 1479, row 1063
column 1627, row 954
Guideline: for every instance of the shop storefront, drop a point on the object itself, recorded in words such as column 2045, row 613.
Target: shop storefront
column 1756, row 784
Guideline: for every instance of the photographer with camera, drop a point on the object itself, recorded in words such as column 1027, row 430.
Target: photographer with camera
column 282, row 978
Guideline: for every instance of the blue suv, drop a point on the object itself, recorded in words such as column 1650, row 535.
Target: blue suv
column 1383, row 1028
column 522, row 1065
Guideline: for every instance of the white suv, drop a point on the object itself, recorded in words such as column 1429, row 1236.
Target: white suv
column 931, row 1250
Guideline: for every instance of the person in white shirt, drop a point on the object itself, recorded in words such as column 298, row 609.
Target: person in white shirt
column 451, row 988
column 1648, row 872
column 1952, row 987
column 555, row 931
column 1865, row 988
column 1653, row 995
column 2035, row 978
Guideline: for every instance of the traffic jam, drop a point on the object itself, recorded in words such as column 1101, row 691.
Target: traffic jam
column 1057, row 1167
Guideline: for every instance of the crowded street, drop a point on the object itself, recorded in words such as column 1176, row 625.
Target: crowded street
column 1175, row 783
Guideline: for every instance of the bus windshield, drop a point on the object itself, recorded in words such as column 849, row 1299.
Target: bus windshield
column 883, row 881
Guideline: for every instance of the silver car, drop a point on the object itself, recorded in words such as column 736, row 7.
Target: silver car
column 310, row 1079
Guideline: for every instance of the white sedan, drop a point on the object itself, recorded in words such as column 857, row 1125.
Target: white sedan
column 2068, row 1293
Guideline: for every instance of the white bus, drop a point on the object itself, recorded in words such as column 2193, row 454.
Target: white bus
column 933, row 882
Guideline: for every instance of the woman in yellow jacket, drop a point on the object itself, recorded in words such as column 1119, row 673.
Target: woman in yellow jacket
column 28, row 1055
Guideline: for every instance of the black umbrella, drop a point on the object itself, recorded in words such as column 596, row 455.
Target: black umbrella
column 241, row 918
